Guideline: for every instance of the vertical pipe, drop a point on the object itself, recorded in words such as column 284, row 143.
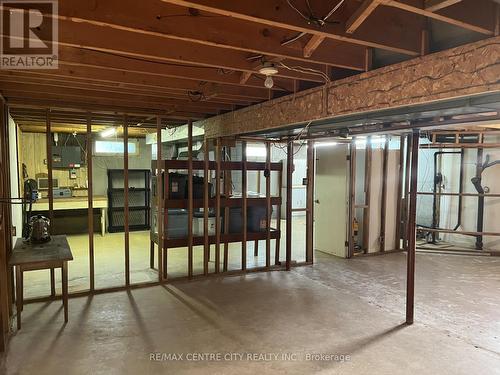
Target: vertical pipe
column 383, row 210
column 125, row 200
column 190, row 199
column 159, row 197
column 399, row 193
column 412, row 213
column 289, row 197
column 269, row 207
column 351, row 198
column 244, row 211
column 217, row 209
column 480, row 199
column 206, row 243
column 90, row 201
column 49, row 165
column 310, row 203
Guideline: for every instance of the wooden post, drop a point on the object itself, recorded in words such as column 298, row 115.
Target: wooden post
column 166, row 192
column 368, row 184
column 206, row 243
column 383, row 210
column 410, row 256
column 351, row 198
column 190, row 199
column 217, row 209
column 278, row 216
column 310, row 203
column 125, row 200
column 227, row 187
column 269, row 207
column 159, row 198
column 289, row 194
column 49, row 165
column 399, row 193
column 244, row 210
column 90, row 202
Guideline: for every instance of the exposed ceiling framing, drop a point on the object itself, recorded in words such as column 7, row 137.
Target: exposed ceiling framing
column 196, row 59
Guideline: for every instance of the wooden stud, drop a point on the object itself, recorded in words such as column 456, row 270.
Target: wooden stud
column 125, row 200
column 383, row 210
column 190, row 199
column 217, row 209
column 351, row 198
column 166, row 192
column 412, row 215
column 227, row 188
column 310, row 203
column 159, row 197
column 278, row 216
column 368, row 184
column 206, row 243
column 399, row 193
column 49, row 165
column 90, row 195
column 244, row 209
column 269, row 207
column 289, row 197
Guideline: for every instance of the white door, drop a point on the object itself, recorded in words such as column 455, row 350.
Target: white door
column 331, row 199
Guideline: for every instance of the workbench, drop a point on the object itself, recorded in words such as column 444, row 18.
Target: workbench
column 75, row 203
column 27, row 256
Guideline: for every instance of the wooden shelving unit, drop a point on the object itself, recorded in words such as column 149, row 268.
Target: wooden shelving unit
column 221, row 203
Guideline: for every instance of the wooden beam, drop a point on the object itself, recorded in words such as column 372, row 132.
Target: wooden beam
column 166, row 93
column 361, row 14
column 439, row 76
column 435, row 5
column 440, row 17
column 178, row 23
column 313, row 44
column 277, row 14
column 244, row 77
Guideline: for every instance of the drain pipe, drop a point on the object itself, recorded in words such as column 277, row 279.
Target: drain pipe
column 435, row 216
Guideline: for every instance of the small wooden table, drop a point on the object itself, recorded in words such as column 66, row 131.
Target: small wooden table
column 28, row 256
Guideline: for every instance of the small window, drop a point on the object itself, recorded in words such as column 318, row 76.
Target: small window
column 115, row 147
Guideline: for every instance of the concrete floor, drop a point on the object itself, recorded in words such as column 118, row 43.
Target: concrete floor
column 344, row 307
column 110, row 260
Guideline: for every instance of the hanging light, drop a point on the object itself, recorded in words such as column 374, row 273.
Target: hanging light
column 269, row 70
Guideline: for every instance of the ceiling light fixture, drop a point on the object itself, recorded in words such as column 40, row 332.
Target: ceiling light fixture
column 106, row 133
column 269, row 70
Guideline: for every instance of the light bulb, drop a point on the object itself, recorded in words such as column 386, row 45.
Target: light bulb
column 269, row 83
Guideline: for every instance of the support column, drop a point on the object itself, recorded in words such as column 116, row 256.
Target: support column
column 289, row 171
column 412, row 214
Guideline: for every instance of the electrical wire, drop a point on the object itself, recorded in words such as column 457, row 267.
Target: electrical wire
column 304, row 70
column 311, row 19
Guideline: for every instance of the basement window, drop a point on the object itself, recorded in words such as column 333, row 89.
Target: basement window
column 115, row 147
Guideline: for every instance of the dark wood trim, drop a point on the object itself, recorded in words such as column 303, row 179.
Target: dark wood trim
column 190, row 198
column 269, row 207
column 125, row 200
column 289, row 195
column 90, row 194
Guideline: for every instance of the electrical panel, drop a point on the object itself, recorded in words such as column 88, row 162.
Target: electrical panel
column 67, row 157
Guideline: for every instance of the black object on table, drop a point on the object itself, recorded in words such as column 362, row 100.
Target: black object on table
column 28, row 256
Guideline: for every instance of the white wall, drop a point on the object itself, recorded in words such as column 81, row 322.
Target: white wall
column 450, row 168
column 17, row 218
